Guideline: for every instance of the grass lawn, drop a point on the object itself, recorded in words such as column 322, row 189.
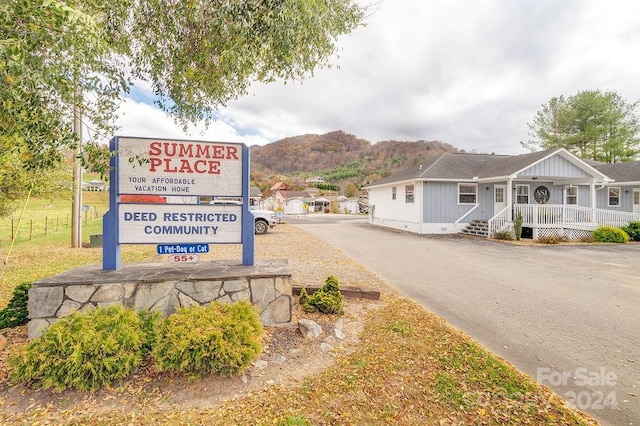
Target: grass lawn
column 409, row 367
column 42, row 245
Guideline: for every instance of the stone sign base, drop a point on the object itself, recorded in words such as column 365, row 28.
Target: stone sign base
column 163, row 287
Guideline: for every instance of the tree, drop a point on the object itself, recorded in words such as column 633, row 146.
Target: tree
column 197, row 55
column 51, row 52
column 591, row 124
column 351, row 190
column 200, row 54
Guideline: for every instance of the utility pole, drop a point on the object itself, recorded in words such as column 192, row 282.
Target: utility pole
column 76, row 207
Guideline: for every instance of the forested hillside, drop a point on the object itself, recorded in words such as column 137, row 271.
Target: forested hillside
column 338, row 158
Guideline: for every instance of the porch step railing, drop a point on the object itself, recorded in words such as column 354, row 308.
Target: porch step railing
column 560, row 216
column 500, row 221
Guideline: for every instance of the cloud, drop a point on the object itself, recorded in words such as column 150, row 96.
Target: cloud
column 471, row 73
column 144, row 120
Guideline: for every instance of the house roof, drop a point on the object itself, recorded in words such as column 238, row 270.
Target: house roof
column 621, row 172
column 329, row 198
column 288, row 195
column 465, row 167
column 507, row 165
column 446, row 166
column 279, row 186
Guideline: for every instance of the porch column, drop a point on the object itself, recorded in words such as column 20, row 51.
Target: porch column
column 592, row 188
column 510, row 196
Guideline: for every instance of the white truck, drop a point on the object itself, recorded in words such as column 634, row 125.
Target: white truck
column 263, row 219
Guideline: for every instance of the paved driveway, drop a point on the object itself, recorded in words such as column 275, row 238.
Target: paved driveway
column 569, row 316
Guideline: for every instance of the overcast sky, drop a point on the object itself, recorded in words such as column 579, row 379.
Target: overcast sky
column 471, row 73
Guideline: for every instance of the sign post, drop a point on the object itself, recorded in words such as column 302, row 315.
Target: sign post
column 177, row 169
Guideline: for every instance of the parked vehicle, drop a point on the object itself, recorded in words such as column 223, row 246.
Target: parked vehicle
column 263, row 219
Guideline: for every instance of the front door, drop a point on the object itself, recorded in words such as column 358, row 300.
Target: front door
column 499, row 198
column 636, row 200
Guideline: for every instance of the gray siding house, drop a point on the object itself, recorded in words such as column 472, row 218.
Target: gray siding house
column 556, row 192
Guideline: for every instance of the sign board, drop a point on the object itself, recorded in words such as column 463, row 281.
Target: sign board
column 179, row 223
column 541, row 194
column 184, row 168
column 182, row 248
column 177, row 170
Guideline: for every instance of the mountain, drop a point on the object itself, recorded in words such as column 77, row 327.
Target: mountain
column 339, row 158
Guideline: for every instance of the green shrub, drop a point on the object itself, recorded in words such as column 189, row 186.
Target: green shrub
column 607, row 234
column 503, row 235
column 83, row 351
column 16, row 312
column 303, row 301
column 633, row 230
column 152, row 328
column 517, row 226
column 219, row 338
column 328, row 299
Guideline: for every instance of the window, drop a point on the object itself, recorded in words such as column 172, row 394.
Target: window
column 522, row 194
column 614, row 197
column 467, row 193
column 393, row 193
column 571, row 196
column 408, row 194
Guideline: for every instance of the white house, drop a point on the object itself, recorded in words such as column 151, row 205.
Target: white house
column 556, row 192
column 349, row 206
column 94, row 185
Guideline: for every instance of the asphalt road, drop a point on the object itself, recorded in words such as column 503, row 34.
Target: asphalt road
column 569, row 316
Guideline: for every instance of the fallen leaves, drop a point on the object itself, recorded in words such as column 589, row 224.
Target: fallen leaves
column 409, row 367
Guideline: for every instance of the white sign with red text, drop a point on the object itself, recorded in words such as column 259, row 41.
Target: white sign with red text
column 184, row 168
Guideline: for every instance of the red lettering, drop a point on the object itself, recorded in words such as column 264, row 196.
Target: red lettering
column 202, row 151
column 214, row 167
column 185, row 166
column 186, row 150
column 218, row 151
column 172, row 152
column 232, row 153
column 198, row 163
column 167, row 162
column 155, row 163
column 154, row 148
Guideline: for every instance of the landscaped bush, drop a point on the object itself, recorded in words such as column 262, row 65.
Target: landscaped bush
column 633, row 230
column 219, row 338
column 16, row 313
column 503, row 235
column 607, row 234
column 552, row 239
column 328, row 299
column 517, row 226
column 152, row 328
column 83, row 351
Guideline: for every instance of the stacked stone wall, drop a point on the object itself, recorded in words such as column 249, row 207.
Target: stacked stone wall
column 164, row 288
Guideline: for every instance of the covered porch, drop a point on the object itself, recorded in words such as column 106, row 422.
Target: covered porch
column 572, row 222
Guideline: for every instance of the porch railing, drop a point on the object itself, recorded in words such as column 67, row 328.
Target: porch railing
column 561, row 216
column 500, row 221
